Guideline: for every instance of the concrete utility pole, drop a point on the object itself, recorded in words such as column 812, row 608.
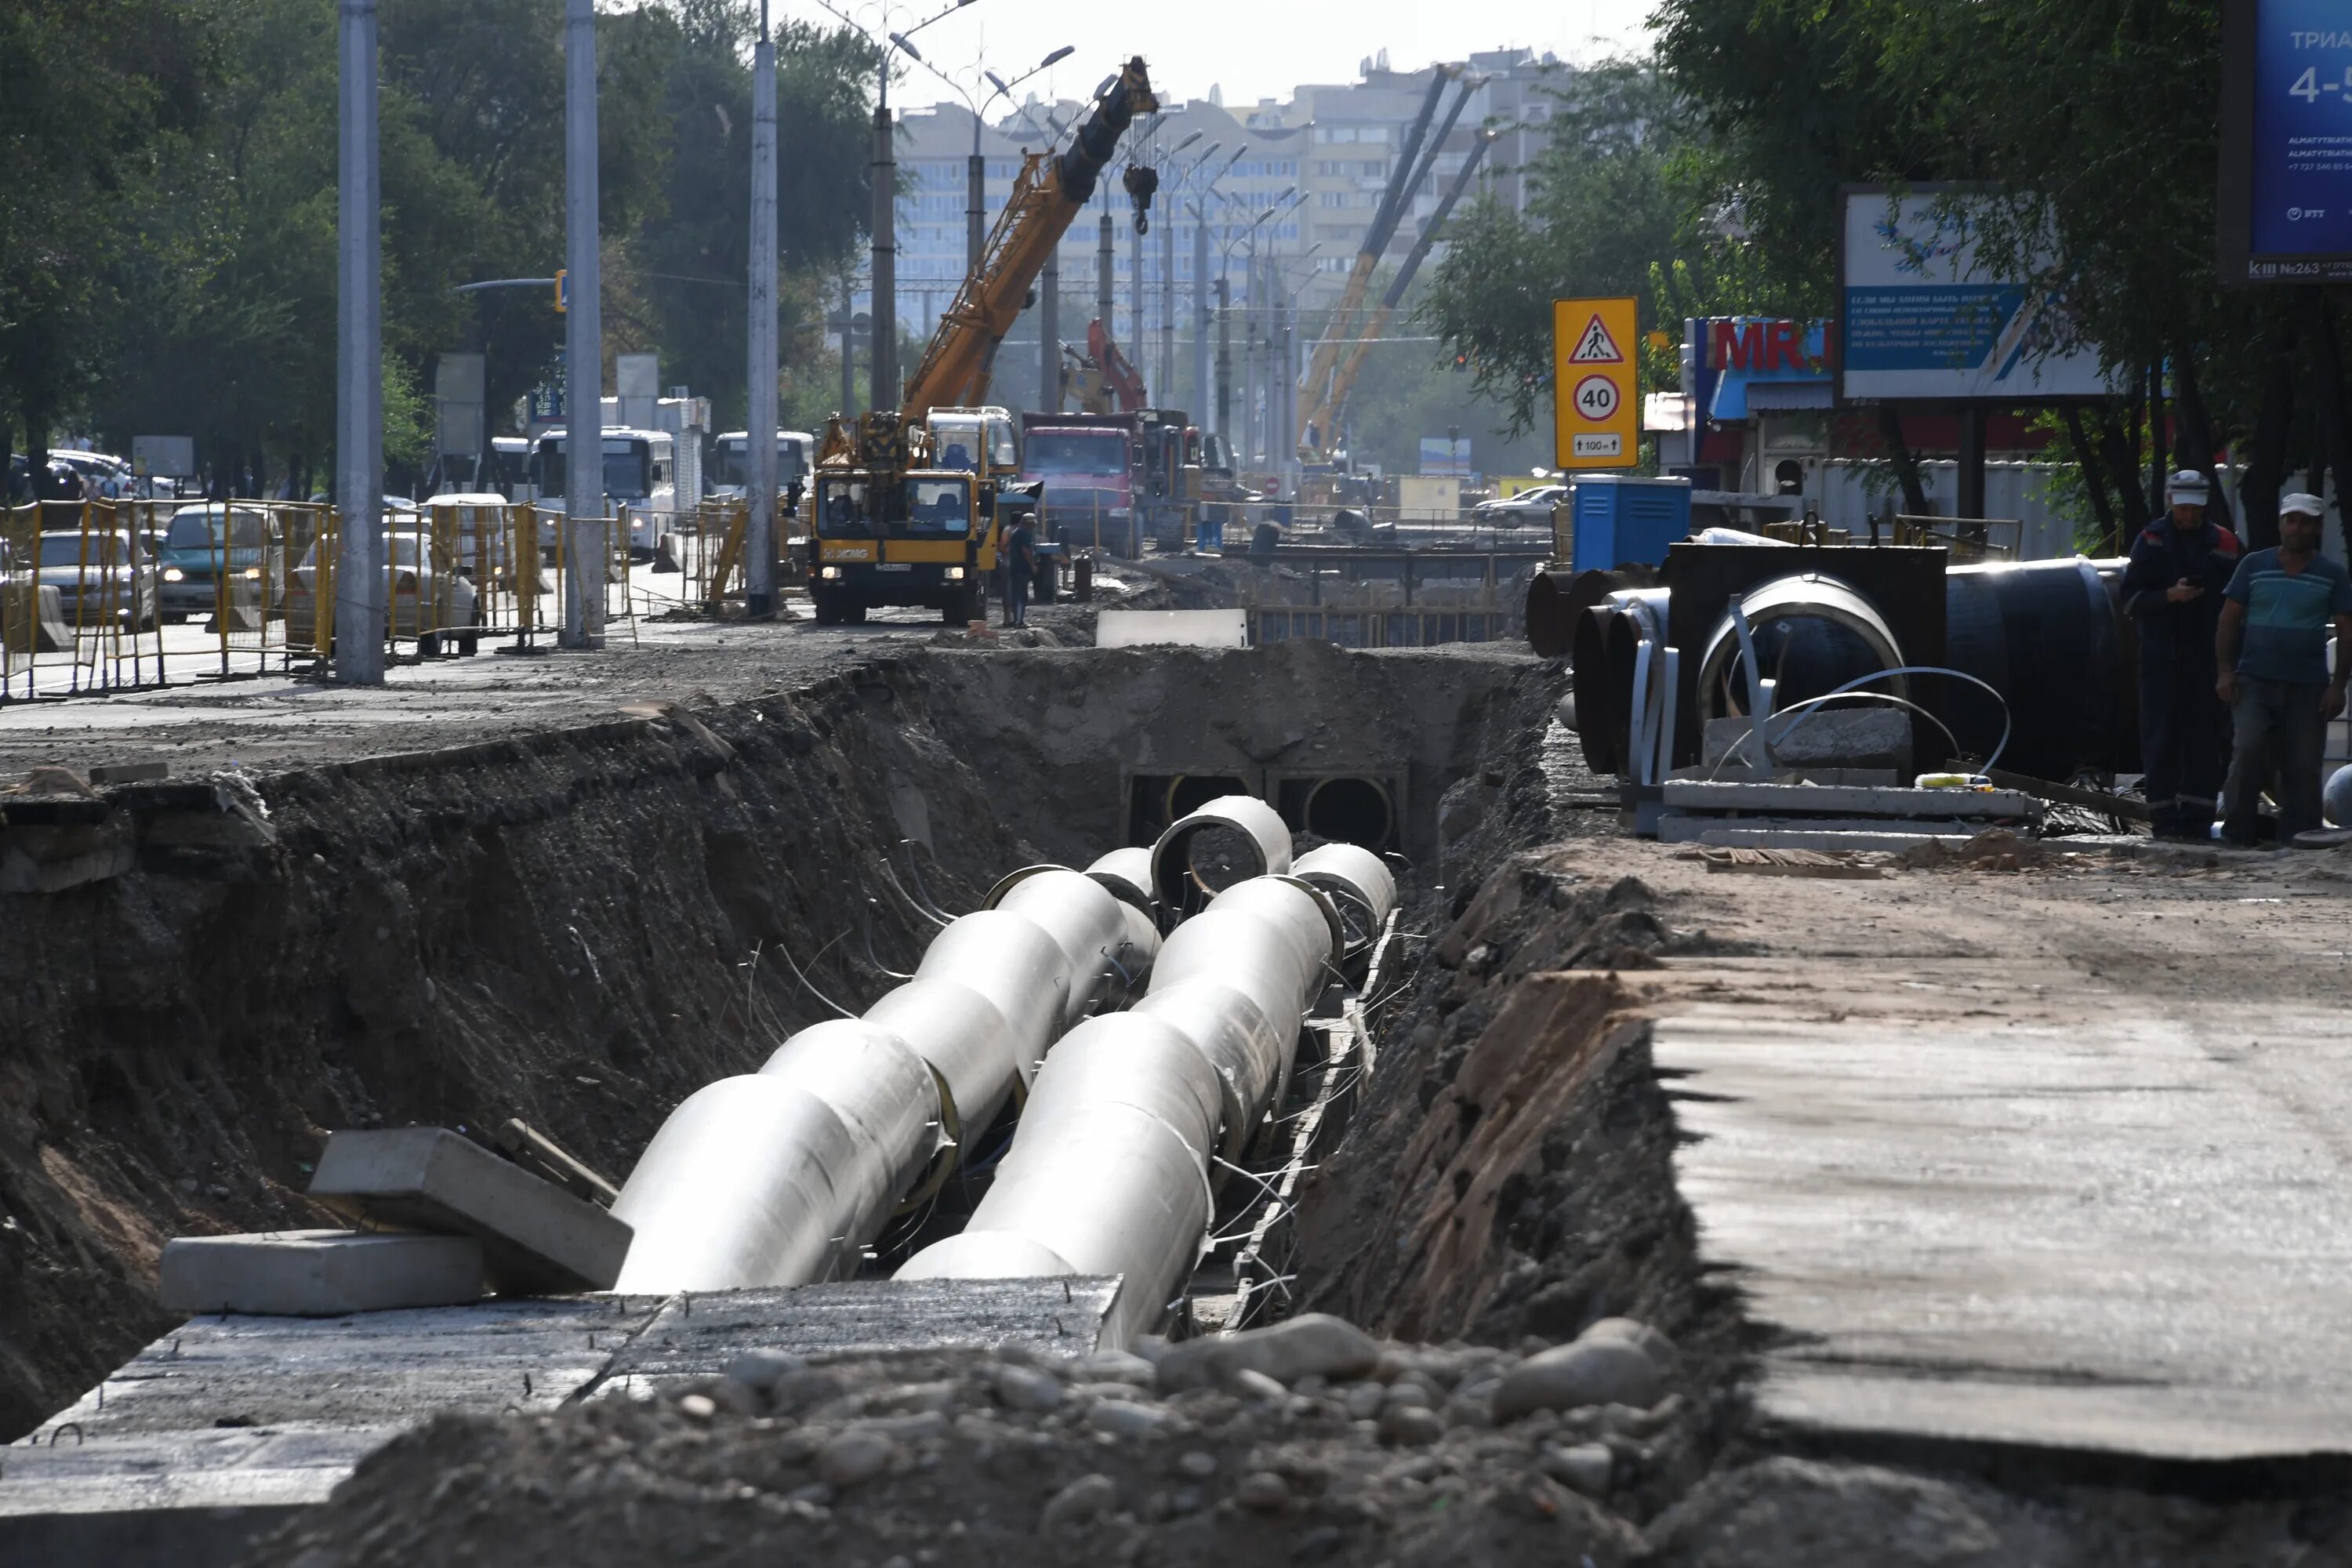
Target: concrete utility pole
column 1200, row 312
column 360, row 586
column 1225, row 358
column 1163, row 389
column 848, row 324
column 1106, row 264
column 1049, row 333
column 583, row 341
column 882, row 381
column 975, row 203
column 760, row 417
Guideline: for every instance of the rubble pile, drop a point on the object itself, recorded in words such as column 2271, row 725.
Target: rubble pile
column 1309, row 1441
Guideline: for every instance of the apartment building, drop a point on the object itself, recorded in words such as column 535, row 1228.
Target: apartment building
column 1319, row 160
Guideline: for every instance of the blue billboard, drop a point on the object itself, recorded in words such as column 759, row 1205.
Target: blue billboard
column 2286, row 179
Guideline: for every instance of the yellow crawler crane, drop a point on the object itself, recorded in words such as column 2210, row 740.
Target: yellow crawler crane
column 887, row 525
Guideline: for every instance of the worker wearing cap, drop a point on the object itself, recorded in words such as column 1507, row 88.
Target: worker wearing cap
column 2271, row 648
column 2180, row 564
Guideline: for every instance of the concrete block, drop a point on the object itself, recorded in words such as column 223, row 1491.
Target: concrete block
column 1849, row 800
column 317, row 1273
column 1677, row 829
column 1875, row 737
column 536, row 1237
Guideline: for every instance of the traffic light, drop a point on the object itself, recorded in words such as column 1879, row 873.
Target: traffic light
column 562, row 289
column 1461, row 358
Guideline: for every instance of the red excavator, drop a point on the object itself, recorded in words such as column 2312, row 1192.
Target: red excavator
column 1102, row 376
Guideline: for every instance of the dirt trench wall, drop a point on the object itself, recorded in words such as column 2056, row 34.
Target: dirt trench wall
column 1059, row 734
column 562, row 927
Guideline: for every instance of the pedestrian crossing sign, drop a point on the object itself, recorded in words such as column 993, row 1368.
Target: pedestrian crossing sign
column 1593, row 391
column 1594, row 345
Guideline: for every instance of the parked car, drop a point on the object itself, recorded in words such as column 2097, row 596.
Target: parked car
column 426, row 604
column 100, row 578
column 201, row 541
column 1527, row 506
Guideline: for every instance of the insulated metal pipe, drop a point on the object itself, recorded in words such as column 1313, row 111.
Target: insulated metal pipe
column 1813, row 633
column 1360, row 885
column 782, row 1176
column 1214, row 845
column 1109, row 1172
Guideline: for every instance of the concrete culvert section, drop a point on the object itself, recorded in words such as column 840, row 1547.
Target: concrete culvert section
column 1187, row 793
column 1351, row 811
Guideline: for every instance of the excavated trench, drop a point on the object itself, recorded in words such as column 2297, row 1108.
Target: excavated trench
column 580, row 927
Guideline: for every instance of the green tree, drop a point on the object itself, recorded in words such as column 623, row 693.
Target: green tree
column 93, row 92
column 1612, row 197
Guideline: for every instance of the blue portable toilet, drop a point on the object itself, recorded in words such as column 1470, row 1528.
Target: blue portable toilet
column 1620, row 519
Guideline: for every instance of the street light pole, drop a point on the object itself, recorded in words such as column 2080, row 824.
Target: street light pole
column 583, row 353
column 359, row 359
column 760, row 420
column 882, row 386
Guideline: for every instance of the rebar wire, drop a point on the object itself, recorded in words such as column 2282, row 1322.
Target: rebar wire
column 915, row 870
column 1264, row 1186
column 883, row 865
column 866, row 925
column 810, row 985
column 757, row 1014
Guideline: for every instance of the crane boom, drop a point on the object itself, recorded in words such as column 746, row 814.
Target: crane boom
column 1345, row 381
column 1394, row 200
column 1050, row 192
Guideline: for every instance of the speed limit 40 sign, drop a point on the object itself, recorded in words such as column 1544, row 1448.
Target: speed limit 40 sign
column 1593, row 395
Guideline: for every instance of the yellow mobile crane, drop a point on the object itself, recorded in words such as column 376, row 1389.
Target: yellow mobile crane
column 1317, row 408
column 890, row 525
column 1335, row 400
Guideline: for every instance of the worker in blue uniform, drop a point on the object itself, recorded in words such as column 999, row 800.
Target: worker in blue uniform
column 2180, row 567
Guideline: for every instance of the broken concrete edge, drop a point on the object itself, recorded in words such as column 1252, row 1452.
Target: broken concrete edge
column 536, row 1237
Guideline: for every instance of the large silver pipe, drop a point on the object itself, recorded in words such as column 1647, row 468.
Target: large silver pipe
column 1110, row 1170
column 1360, row 885
column 780, row 1177
column 1813, row 632
column 1222, row 842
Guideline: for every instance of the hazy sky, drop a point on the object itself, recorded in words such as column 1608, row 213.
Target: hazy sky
column 1252, row 48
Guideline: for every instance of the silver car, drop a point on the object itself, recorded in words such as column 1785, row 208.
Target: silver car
column 100, row 578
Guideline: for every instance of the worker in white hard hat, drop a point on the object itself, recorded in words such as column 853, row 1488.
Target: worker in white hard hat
column 2180, row 564
column 2271, row 646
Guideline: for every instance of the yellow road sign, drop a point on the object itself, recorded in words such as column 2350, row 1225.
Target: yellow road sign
column 1595, row 400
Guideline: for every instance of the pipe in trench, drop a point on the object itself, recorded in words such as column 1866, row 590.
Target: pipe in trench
column 1214, row 845
column 1110, row 1170
column 782, row 1176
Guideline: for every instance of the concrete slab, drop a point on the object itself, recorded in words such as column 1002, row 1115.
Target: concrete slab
column 227, row 1426
column 536, row 1238
column 1904, row 836
column 698, row 1335
column 1853, row 800
column 317, row 1273
column 2133, row 1237
column 1677, row 829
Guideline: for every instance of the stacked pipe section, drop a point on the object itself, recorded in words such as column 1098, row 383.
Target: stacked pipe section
column 782, row 1176
column 1111, row 1172
column 2050, row 639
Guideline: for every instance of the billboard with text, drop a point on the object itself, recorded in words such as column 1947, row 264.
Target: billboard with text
column 1921, row 320
column 2286, row 196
